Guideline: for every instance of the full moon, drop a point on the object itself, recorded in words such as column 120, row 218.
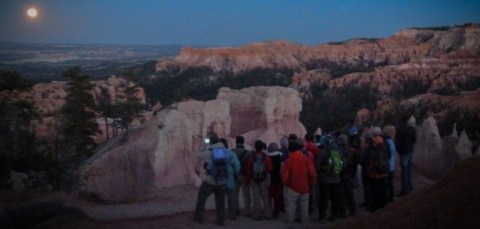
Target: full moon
column 32, row 12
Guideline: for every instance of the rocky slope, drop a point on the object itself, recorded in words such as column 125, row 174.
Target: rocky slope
column 434, row 69
column 450, row 203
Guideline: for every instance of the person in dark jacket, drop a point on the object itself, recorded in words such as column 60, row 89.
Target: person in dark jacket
column 378, row 179
column 242, row 155
column 405, row 141
column 347, row 175
column 276, row 186
column 328, row 183
column 259, row 161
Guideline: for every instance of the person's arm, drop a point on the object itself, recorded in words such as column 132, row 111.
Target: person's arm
column 268, row 164
column 235, row 164
column 312, row 175
column 248, row 170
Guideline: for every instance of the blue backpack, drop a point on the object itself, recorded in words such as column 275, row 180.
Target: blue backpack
column 218, row 165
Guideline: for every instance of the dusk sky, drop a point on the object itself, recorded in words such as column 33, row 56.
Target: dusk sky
column 222, row 22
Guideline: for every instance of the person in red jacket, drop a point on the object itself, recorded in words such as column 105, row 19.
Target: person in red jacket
column 298, row 174
column 258, row 169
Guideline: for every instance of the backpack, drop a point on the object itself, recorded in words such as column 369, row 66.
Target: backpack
column 333, row 162
column 242, row 154
column 259, row 171
column 380, row 160
column 218, row 165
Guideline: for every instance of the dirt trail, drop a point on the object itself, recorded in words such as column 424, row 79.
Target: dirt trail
column 173, row 210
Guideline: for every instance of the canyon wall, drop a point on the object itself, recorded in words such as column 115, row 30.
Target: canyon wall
column 163, row 151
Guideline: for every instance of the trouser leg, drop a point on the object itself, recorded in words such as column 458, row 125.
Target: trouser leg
column 404, row 173
column 322, row 201
column 349, row 196
column 304, row 206
column 203, row 193
column 390, row 189
column 220, row 203
column 256, row 200
column 409, row 172
column 232, row 208
column 291, row 204
column 247, row 198
column 265, row 202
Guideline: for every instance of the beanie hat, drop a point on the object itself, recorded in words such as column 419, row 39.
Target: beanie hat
column 377, row 131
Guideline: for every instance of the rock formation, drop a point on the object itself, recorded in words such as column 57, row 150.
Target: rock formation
column 271, row 112
column 163, row 151
column 402, row 47
column 429, row 149
column 435, row 156
column 463, row 148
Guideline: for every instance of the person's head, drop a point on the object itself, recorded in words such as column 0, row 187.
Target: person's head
column 328, row 143
column 295, row 145
column 213, row 138
column 405, row 118
column 309, row 137
column 224, row 141
column 284, row 142
column 239, row 140
column 377, row 141
column 272, row 147
column 260, row 145
column 343, row 139
column 292, row 137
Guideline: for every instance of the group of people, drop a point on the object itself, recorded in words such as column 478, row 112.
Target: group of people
column 303, row 174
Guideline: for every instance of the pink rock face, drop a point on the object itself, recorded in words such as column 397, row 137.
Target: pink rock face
column 402, row 47
column 49, row 98
column 163, row 151
column 428, row 156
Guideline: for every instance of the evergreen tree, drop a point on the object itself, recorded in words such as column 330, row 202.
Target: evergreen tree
column 77, row 118
column 127, row 108
column 16, row 138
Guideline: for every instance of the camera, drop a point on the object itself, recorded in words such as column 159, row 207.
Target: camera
column 207, row 140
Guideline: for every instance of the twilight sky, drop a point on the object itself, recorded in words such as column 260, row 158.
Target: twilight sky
column 223, row 22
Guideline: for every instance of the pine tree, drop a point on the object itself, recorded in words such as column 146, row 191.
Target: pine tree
column 77, row 118
column 127, row 108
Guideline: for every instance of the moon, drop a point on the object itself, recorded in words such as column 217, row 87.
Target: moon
column 32, row 12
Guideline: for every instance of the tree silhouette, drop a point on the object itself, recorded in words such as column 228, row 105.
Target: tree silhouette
column 127, row 108
column 77, row 117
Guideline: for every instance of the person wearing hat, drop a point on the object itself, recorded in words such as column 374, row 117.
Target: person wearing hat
column 378, row 168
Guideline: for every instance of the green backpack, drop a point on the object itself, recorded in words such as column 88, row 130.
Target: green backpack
column 335, row 161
